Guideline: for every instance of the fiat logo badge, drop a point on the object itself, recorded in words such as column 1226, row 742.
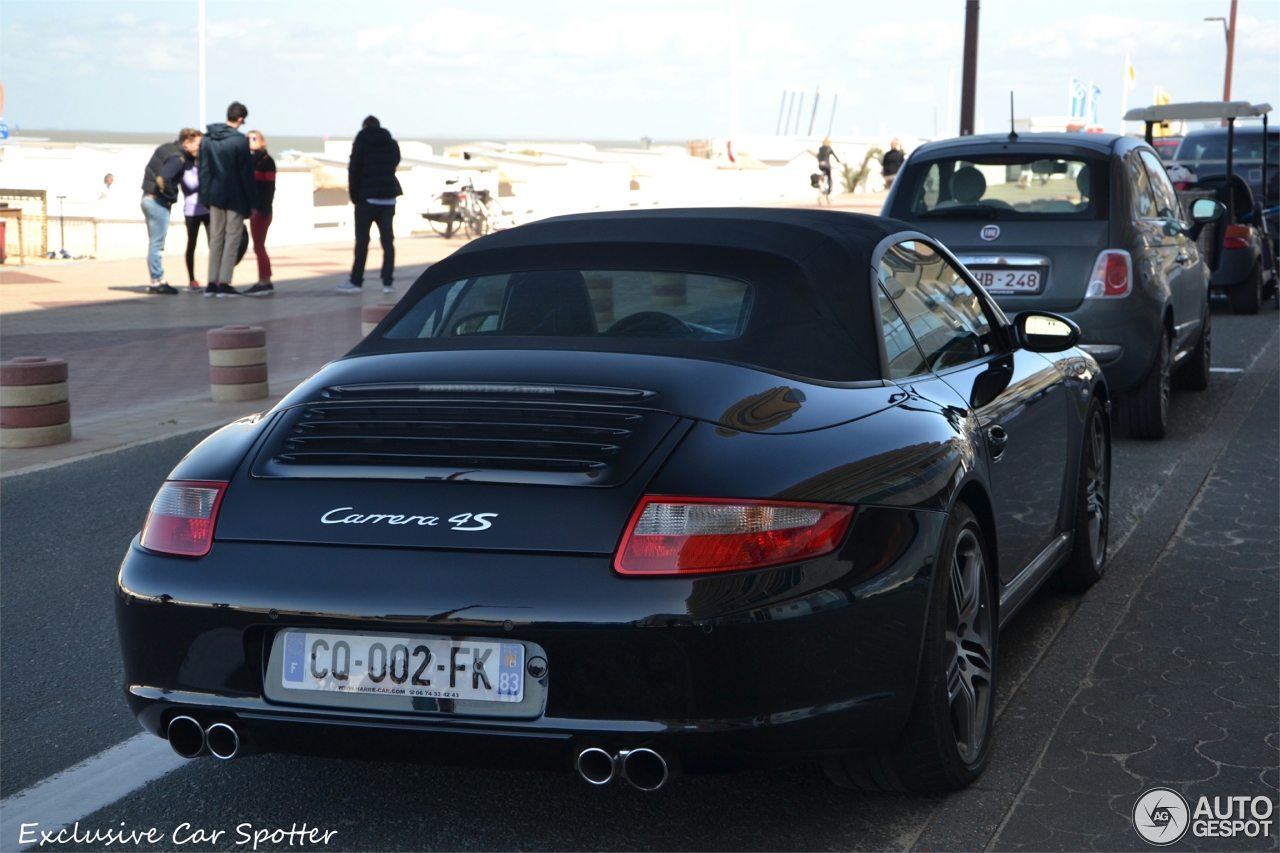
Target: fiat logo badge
column 990, row 232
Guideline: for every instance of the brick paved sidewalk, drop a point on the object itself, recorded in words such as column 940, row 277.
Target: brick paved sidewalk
column 139, row 367
column 1184, row 694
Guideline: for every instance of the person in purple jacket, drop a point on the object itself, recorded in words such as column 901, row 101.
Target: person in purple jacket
column 196, row 213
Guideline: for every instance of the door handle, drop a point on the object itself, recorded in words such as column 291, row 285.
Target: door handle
column 997, row 438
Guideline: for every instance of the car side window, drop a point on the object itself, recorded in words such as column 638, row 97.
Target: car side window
column 943, row 312
column 903, row 356
column 1144, row 198
column 1166, row 196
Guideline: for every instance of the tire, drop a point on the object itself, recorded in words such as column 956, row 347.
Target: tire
column 1144, row 410
column 1246, row 297
column 1194, row 375
column 1088, row 561
column 946, row 741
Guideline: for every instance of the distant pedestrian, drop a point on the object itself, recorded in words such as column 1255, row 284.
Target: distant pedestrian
column 891, row 162
column 159, row 192
column 372, row 184
column 104, row 193
column 228, row 189
column 195, row 213
column 825, row 156
column 264, row 173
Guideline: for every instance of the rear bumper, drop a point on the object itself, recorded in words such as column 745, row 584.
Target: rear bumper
column 1236, row 266
column 729, row 671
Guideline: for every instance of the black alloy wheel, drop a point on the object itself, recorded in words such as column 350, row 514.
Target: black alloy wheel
column 970, row 641
column 1144, row 410
column 1093, row 507
column 946, row 741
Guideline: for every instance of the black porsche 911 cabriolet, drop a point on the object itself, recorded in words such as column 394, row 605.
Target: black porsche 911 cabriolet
column 634, row 493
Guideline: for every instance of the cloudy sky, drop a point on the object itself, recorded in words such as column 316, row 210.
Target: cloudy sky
column 591, row 70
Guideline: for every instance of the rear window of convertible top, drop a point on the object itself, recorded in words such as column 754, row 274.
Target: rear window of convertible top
column 763, row 313
column 617, row 304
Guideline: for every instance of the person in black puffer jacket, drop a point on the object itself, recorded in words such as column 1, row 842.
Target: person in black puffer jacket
column 372, row 183
column 229, row 190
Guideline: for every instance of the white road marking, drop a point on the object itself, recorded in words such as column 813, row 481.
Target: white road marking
column 1226, row 370
column 79, row 791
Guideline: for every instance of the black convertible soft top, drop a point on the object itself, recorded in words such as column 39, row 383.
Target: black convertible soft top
column 813, row 315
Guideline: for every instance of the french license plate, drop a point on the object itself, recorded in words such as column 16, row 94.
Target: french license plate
column 429, row 667
column 1009, row 279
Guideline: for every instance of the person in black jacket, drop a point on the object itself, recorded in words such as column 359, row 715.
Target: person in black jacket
column 160, row 182
column 264, row 173
column 372, row 183
column 891, row 162
column 228, row 189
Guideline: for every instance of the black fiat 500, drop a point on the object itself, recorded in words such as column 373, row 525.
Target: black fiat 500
column 631, row 494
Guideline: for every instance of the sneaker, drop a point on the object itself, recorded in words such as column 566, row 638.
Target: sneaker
column 226, row 291
column 260, row 289
column 161, row 287
column 194, row 287
column 348, row 287
column 211, row 289
column 388, row 288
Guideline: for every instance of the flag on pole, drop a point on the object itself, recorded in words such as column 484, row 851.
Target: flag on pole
column 1130, row 74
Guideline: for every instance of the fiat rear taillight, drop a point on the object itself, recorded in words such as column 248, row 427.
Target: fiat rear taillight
column 1112, row 275
column 676, row 536
column 1236, row 237
column 182, row 518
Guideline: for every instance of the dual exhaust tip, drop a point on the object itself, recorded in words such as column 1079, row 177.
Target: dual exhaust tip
column 191, row 740
column 643, row 768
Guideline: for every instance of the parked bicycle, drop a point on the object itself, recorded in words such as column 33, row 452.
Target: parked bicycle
column 466, row 210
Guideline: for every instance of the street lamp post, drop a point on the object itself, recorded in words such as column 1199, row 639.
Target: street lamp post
column 1229, row 32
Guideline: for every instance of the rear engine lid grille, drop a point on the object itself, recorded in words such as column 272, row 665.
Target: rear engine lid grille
column 524, row 442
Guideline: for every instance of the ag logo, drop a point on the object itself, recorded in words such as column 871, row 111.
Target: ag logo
column 990, row 232
column 1160, row 816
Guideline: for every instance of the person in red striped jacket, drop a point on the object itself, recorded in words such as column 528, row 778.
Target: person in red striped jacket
column 264, row 172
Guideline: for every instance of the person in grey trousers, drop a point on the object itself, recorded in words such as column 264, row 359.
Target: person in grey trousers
column 230, row 191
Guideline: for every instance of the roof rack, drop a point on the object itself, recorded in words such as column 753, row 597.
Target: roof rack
column 1198, row 111
column 1228, row 111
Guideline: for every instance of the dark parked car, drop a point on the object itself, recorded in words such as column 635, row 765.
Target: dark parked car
column 1086, row 225
column 633, row 492
column 1246, row 269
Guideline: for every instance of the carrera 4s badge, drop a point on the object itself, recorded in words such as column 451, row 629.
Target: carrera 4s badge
column 465, row 521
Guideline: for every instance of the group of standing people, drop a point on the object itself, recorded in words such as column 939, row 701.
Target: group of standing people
column 227, row 180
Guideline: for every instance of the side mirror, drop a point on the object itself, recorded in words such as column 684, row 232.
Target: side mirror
column 1040, row 331
column 1205, row 210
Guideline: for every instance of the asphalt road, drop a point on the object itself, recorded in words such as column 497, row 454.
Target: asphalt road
column 62, row 532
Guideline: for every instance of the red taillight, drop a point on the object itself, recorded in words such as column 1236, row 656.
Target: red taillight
column 692, row 535
column 182, row 518
column 1112, row 275
column 1236, row 237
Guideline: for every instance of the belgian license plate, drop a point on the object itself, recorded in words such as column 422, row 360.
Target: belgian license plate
column 434, row 667
column 1009, row 279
